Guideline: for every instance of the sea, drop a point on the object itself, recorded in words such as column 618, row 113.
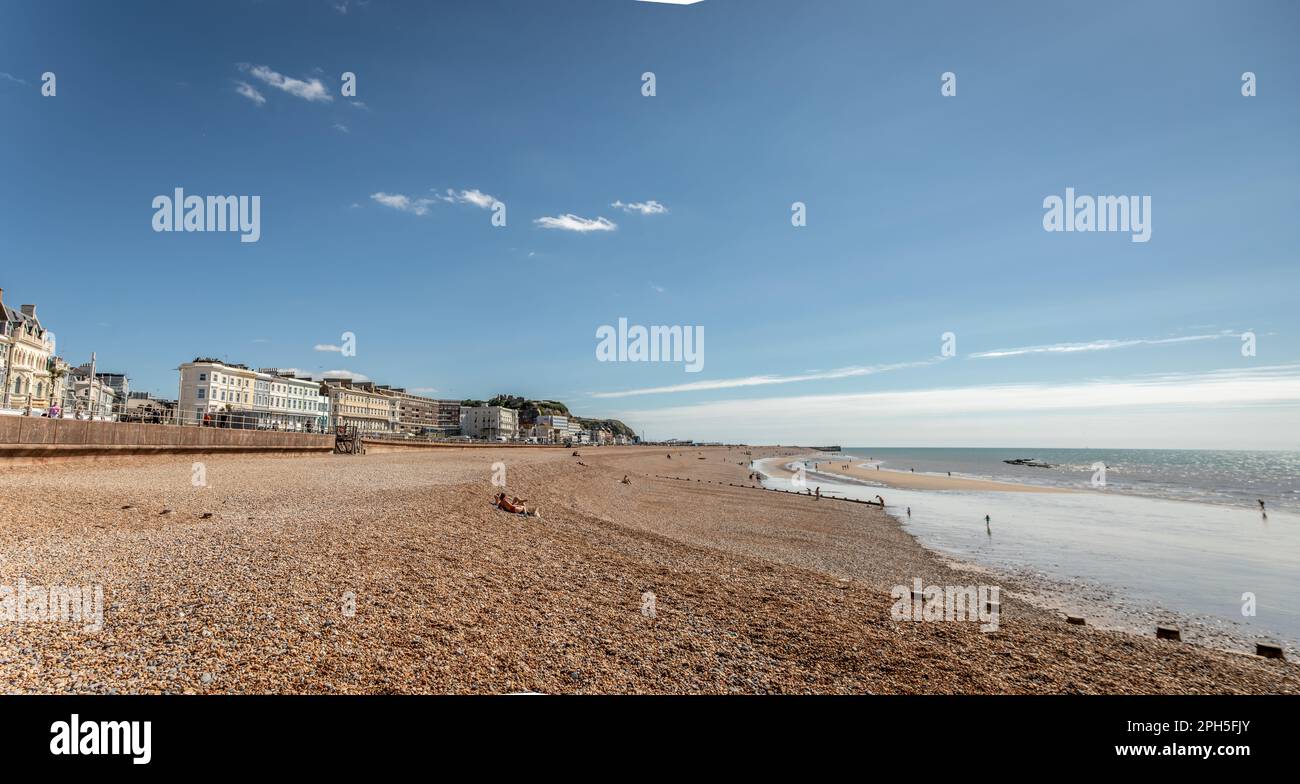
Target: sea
column 1171, row 536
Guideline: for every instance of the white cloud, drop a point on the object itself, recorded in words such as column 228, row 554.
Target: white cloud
column 1093, row 345
column 340, row 127
column 250, row 92
column 1255, row 409
column 658, row 289
column 472, row 196
column 404, row 203
column 650, row 207
column 570, row 222
column 12, row 78
column 767, row 380
column 309, row 90
column 327, row 347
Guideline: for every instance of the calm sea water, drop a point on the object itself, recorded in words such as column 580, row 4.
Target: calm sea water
column 1173, row 531
column 1217, row 477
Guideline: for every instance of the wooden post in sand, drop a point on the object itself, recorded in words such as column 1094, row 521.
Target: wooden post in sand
column 1269, row 650
column 1168, row 633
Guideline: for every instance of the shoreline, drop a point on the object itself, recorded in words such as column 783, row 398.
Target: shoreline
column 1100, row 603
column 894, row 478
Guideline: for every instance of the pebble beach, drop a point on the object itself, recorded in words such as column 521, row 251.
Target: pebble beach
column 392, row 573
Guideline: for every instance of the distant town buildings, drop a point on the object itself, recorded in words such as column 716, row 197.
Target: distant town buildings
column 492, row 423
column 35, row 381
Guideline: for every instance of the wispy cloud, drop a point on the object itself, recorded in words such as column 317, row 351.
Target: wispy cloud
column 1258, row 408
column 327, row 347
column 569, row 222
column 307, row 89
column 403, row 203
column 250, row 92
column 1093, row 345
column 472, row 196
column 767, row 380
column 11, row 78
column 341, row 128
column 657, row 288
column 650, row 207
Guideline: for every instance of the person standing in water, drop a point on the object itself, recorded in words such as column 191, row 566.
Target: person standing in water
column 909, row 511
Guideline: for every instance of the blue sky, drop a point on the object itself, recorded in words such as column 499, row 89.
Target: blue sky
column 924, row 212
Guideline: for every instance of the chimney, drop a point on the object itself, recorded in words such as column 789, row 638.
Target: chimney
column 2, row 298
column 29, row 310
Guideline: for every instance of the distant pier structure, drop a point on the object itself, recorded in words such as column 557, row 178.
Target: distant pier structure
column 827, row 448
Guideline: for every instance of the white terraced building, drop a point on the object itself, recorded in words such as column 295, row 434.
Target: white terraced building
column 235, row 395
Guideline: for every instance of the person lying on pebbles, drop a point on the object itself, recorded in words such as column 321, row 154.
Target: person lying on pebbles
column 515, row 505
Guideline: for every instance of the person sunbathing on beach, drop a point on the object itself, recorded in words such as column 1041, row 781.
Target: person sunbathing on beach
column 515, row 505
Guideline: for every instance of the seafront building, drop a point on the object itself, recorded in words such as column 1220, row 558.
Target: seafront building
column 492, row 423
column 556, row 429
column 284, row 401
column 235, row 395
column 418, row 415
column 360, row 405
column 212, row 391
column 91, row 397
column 25, row 351
column 118, row 382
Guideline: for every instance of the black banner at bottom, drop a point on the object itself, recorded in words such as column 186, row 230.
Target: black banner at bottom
column 213, row 734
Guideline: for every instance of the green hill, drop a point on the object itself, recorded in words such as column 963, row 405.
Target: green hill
column 529, row 410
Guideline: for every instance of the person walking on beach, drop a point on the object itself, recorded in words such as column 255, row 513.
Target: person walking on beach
column 909, row 511
column 819, row 492
column 1261, row 504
